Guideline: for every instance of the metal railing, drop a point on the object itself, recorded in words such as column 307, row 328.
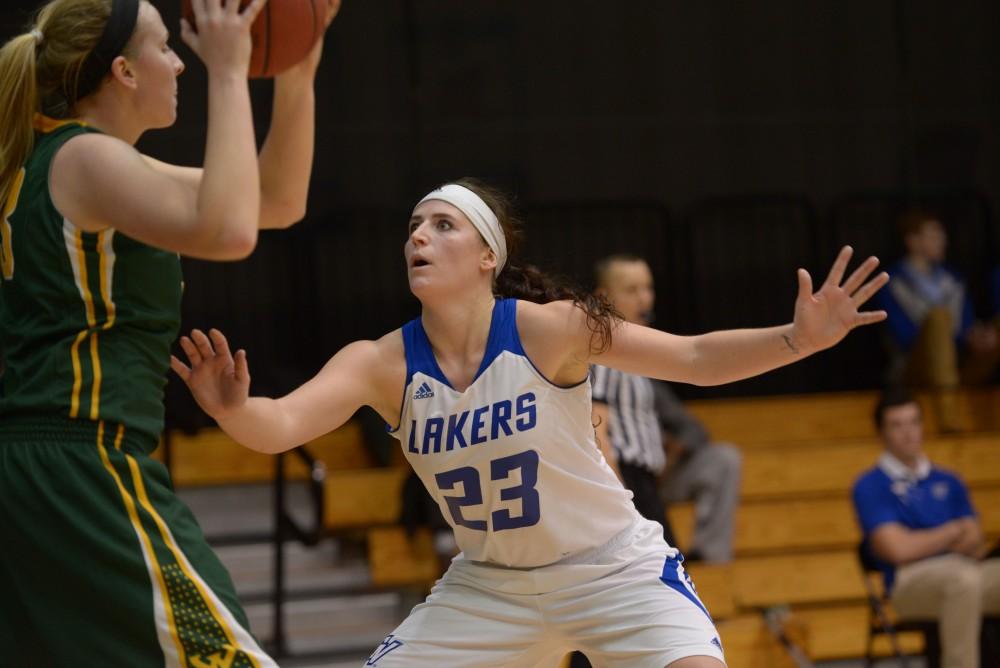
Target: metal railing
column 287, row 527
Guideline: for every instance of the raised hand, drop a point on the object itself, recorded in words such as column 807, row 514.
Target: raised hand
column 824, row 318
column 332, row 9
column 310, row 63
column 219, row 381
column 221, row 37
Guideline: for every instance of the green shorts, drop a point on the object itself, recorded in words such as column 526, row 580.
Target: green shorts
column 100, row 562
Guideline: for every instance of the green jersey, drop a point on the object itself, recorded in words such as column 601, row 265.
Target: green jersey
column 86, row 319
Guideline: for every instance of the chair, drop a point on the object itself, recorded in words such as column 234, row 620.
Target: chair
column 882, row 621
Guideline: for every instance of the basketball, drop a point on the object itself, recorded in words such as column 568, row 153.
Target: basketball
column 282, row 34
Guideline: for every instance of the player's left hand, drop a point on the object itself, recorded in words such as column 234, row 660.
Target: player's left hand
column 218, row 380
column 310, row 63
column 824, row 318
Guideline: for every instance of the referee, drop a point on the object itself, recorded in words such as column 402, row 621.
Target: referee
column 625, row 418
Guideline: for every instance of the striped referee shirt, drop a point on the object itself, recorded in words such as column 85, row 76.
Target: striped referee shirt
column 633, row 427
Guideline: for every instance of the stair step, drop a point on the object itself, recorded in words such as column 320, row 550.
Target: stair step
column 335, row 625
column 320, row 569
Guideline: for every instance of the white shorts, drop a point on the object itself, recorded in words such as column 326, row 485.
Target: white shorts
column 628, row 603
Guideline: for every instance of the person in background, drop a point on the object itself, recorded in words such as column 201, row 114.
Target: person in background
column 661, row 452
column 703, row 471
column 920, row 527
column 935, row 341
column 625, row 419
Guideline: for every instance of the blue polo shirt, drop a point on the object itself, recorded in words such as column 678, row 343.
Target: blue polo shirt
column 891, row 492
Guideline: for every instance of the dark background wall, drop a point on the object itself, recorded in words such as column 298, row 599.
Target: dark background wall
column 730, row 142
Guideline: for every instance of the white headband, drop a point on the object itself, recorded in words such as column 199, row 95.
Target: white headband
column 480, row 215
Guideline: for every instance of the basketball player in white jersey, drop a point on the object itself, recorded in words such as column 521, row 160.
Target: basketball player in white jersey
column 490, row 399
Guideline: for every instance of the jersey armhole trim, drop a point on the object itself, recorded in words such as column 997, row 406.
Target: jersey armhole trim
column 524, row 353
column 404, row 332
column 86, row 129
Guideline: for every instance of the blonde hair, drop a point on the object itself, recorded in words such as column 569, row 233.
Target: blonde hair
column 40, row 72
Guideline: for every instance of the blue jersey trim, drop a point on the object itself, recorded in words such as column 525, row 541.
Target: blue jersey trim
column 419, row 354
column 505, row 328
column 672, row 579
column 502, row 336
column 406, row 332
column 541, row 375
column 520, row 351
column 499, row 336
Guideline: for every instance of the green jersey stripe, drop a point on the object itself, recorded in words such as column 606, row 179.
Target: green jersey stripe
column 172, row 649
column 87, row 319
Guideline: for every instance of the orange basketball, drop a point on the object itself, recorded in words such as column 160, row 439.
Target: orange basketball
column 283, row 33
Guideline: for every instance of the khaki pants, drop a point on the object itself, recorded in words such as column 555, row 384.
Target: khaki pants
column 933, row 360
column 933, row 364
column 956, row 591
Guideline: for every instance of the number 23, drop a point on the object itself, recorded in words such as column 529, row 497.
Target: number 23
column 500, row 469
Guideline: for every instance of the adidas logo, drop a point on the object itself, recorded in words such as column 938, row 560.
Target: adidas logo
column 424, row 392
column 715, row 641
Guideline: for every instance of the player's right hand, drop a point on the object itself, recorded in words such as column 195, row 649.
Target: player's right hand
column 219, row 381
column 221, row 34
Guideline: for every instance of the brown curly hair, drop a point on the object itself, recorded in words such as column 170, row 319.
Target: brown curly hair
column 529, row 283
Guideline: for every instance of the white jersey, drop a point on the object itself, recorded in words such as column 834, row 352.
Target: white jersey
column 511, row 461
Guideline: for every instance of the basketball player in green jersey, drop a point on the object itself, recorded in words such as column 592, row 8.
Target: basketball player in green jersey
column 100, row 564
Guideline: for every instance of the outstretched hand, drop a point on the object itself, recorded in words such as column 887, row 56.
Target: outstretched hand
column 219, row 381
column 824, row 318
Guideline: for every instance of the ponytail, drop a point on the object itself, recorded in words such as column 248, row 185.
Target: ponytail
column 40, row 72
column 532, row 285
column 19, row 92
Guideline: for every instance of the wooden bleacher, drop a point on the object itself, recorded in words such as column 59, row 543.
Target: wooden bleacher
column 211, row 457
column 796, row 532
column 795, row 535
column 839, row 416
column 361, row 496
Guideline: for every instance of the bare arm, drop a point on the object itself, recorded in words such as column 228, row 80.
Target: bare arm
column 898, row 545
column 970, row 540
column 821, row 320
column 558, row 333
column 230, row 183
column 600, row 415
column 362, row 373
column 708, row 359
column 285, row 160
column 98, row 181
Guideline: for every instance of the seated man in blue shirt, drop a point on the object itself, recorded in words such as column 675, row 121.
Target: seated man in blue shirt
column 922, row 530
column 936, row 342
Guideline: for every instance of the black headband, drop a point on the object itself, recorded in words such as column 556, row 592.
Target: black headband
column 117, row 32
